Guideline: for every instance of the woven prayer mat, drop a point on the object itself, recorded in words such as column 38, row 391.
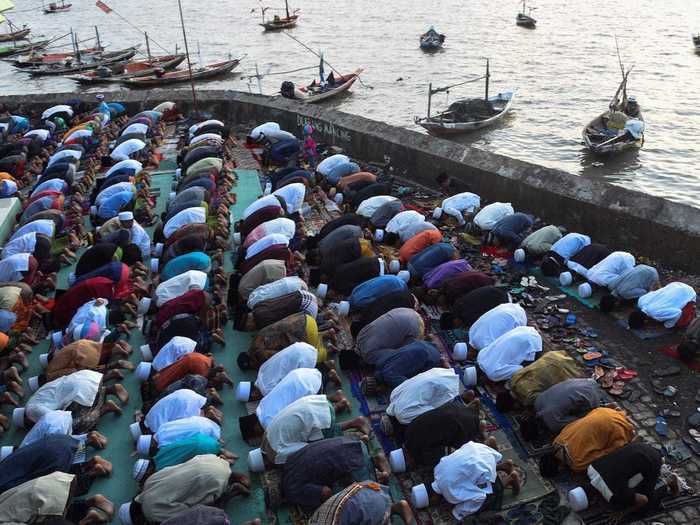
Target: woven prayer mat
column 571, row 291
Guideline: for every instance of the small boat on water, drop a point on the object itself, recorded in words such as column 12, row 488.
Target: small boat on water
column 525, row 19
column 467, row 114
column 57, row 8
column 278, row 23
column 431, row 40
column 620, row 128
column 14, row 50
column 20, row 34
column 183, row 75
column 43, row 59
column 322, row 89
column 136, row 69
column 75, row 65
column 696, row 43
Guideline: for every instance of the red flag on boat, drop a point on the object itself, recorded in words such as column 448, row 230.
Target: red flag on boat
column 103, row 6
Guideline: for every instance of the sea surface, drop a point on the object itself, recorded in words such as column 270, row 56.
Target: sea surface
column 565, row 71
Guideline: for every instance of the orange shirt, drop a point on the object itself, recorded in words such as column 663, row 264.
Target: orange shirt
column 418, row 243
column 192, row 363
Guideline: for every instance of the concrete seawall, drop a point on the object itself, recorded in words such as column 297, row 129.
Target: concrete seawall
column 651, row 226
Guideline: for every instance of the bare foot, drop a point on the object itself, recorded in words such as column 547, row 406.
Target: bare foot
column 121, row 393
column 113, row 375
column 99, row 468
column 7, row 399
column 4, row 422
column 403, row 509
column 334, row 378
column 96, row 440
column 11, row 374
column 111, row 406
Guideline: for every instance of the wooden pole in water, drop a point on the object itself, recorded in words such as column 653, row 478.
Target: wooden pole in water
column 148, row 47
column 97, row 36
column 488, row 75
column 430, row 96
column 187, row 52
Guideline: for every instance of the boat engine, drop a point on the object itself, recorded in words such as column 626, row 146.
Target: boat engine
column 287, row 89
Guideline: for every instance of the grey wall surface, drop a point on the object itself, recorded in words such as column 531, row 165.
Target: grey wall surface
column 624, row 219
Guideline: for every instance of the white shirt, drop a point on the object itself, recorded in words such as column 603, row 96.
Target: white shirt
column 194, row 215
column 496, row 322
column 22, row 244
column 79, row 387
column 504, row 357
column 423, row 392
column 298, row 424
column 414, row 229
column 12, row 266
column 56, row 422
column 178, row 285
column 63, row 154
column 464, row 477
column 293, row 195
column 128, row 163
column 172, row 351
column 180, row 404
column 264, row 243
column 141, row 239
column 272, row 371
column 113, row 190
column 403, row 220
column 296, row 384
column 195, row 127
column 184, row 428
column 43, row 226
column 43, row 134
column 207, row 137
column 610, row 268
column 61, row 108
column 281, row 225
column 262, row 202
column 126, row 148
column 666, row 304
column 326, row 165
column 571, row 244
column 275, row 289
column 368, row 206
column 462, row 202
column 136, row 127
column 489, row 215
column 270, row 130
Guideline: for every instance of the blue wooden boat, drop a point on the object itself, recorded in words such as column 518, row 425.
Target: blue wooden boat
column 431, row 40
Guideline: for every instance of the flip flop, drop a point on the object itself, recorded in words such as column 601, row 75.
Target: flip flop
column 694, row 420
column 590, row 356
column 668, row 371
column 661, row 426
column 668, row 412
column 692, row 444
column 670, row 391
column 626, row 374
column 598, row 372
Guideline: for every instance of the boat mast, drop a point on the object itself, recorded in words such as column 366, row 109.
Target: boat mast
column 430, row 97
column 286, row 8
column 488, row 75
column 148, row 46
column 97, row 36
column 187, row 52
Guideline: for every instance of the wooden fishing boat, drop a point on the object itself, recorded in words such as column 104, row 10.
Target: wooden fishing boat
column 431, row 40
column 42, row 59
column 82, row 64
column 137, row 69
column 56, row 8
column 278, row 23
column 525, row 19
column 620, row 128
column 9, row 51
column 317, row 91
column 183, row 75
column 467, row 114
column 20, row 34
column 696, row 43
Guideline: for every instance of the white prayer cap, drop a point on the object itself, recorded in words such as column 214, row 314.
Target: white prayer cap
column 44, row 360
column 519, row 255
column 397, row 460
column 6, row 451
column 585, row 290
column 268, row 188
column 144, row 305
column 158, row 250
column 437, row 213
column 33, row 383
column 419, row 496
column 243, row 391
column 322, row 290
column 143, row 371
column 565, row 278
column 379, row 235
column 126, row 216
column 135, row 430
column 143, row 445
column 18, row 417
column 256, row 463
column 459, row 351
column 405, row 275
column 338, row 198
column 146, row 353
column 93, row 210
column 469, row 376
column 56, row 338
column 343, row 308
column 237, row 238
column 71, row 278
column 395, row 266
column 171, row 196
column 140, row 468
column 125, row 514
column 154, row 265
column 578, row 500
column 178, row 172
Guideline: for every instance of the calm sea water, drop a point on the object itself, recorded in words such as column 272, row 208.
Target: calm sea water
column 565, row 71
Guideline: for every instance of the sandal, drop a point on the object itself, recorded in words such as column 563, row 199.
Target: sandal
column 661, row 426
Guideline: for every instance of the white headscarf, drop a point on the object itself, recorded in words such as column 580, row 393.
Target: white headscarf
column 55, row 422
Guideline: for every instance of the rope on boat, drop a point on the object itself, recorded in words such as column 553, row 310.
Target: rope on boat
column 447, row 88
column 281, row 72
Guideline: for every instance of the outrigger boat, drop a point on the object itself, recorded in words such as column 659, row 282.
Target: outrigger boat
column 696, row 43
column 136, row 69
column 56, row 8
column 323, row 89
column 176, row 77
column 44, row 59
column 20, row 34
column 431, row 40
column 526, row 20
column 620, row 128
column 277, row 23
column 14, row 50
column 68, row 66
column 468, row 114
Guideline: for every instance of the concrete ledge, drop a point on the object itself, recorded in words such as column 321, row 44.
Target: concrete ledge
column 665, row 231
column 9, row 208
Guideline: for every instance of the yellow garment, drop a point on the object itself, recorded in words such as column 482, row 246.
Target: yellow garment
column 550, row 369
column 366, row 248
column 601, row 431
column 617, row 120
column 37, row 499
column 314, row 339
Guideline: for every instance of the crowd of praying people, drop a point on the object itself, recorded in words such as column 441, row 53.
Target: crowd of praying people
column 321, row 299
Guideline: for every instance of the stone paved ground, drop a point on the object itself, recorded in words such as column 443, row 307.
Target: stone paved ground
column 628, row 350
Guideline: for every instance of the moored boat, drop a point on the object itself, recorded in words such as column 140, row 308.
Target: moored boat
column 136, row 69
column 696, row 43
column 278, row 22
column 319, row 91
column 431, row 40
column 42, row 59
column 57, row 8
column 82, row 63
column 183, row 75
column 20, row 34
column 525, row 19
column 13, row 50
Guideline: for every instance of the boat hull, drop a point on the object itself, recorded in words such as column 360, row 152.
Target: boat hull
column 106, row 60
column 177, row 77
column 282, row 24
column 165, row 65
column 344, row 87
column 525, row 21
column 598, row 148
column 17, row 35
column 504, row 102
